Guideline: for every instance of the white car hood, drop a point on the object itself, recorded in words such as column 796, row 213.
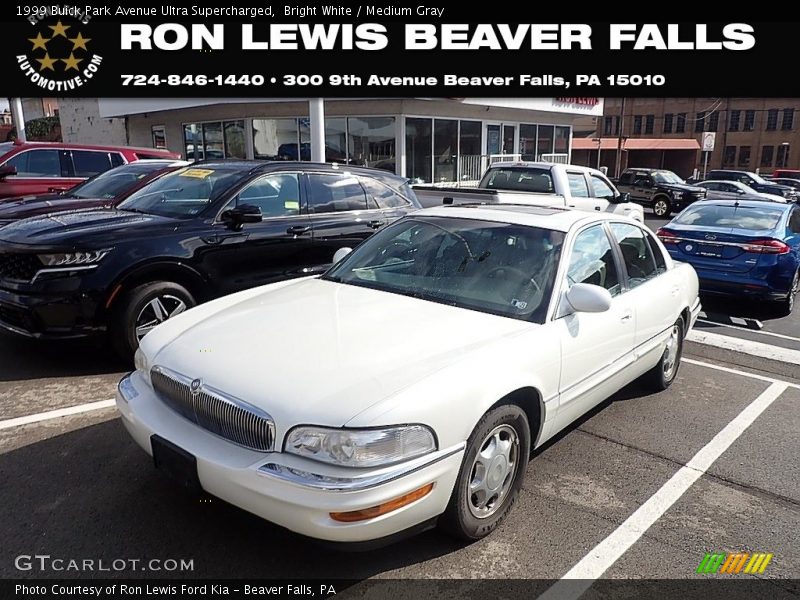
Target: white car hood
column 321, row 352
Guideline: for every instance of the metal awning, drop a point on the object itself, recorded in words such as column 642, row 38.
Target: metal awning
column 636, row 144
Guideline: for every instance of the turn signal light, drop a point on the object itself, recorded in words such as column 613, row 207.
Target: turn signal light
column 381, row 509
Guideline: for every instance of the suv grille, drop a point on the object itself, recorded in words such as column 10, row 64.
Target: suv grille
column 214, row 411
column 20, row 267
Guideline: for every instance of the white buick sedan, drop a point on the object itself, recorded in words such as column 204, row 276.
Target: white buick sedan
column 408, row 385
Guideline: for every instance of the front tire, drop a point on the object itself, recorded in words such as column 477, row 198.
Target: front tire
column 142, row 309
column 663, row 374
column 662, row 207
column 491, row 475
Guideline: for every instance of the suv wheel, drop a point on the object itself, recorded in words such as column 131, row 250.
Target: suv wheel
column 662, row 206
column 142, row 309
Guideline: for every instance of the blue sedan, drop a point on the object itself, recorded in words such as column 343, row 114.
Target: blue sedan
column 749, row 248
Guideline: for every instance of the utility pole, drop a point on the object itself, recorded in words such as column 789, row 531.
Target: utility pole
column 15, row 104
column 619, row 138
column 726, row 126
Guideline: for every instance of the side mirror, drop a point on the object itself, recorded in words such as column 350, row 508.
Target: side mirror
column 738, row 191
column 340, row 254
column 585, row 297
column 620, row 198
column 244, row 213
column 7, row 170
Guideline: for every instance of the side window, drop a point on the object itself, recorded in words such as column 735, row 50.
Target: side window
column 335, row 193
column 711, row 186
column 89, row 163
column 601, row 188
column 727, row 187
column 116, row 159
column 636, row 252
column 794, row 221
column 277, row 195
column 382, row 196
column 661, row 263
column 577, row 185
column 626, row 178
column 37, row 163
column 592, row 260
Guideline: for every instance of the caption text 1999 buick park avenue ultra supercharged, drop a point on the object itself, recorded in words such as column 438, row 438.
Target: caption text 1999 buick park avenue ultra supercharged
column 408, row 385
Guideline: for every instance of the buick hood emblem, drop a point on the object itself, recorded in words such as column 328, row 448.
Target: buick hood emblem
column 710, row 237
column 194, row 387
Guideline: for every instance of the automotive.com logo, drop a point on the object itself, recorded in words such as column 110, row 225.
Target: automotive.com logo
column 734, row 563
column 58, row 54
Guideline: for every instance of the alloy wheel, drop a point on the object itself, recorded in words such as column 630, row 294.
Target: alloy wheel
column 660, row 208
column 156, row 311
column 671, row 352
column 493, row 471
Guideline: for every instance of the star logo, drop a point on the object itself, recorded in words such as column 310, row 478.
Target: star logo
column 59, row 29
column 71, row 62
column 39, row 42
column 47, row 62
column 79, row 41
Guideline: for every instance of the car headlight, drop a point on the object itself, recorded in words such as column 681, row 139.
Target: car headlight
column 73, row 259
column 677, row 194
column 361, row 447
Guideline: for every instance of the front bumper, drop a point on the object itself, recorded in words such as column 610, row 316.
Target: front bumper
column 49, row 316
column 288, row 490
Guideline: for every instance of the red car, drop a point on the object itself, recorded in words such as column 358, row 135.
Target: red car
column 32, row 168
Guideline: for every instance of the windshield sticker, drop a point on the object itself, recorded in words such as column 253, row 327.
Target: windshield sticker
column 197, row 173
column 291, row 205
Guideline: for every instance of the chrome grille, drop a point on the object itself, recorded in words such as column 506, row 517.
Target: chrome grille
column 214, row 411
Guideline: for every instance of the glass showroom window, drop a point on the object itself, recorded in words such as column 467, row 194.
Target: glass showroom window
column 527, row 141
column 275, row 139
column 445, row 149
column 371, row 141
column 336, row 140
column 562, row 140
column 419, row 147
column 214, row 140
column 545, row 144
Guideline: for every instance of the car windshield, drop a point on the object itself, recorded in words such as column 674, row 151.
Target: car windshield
column 497, row 268
column 184, row 193
column 757, row 178
column 741, row 217
column 523, row 179
column 115, row 182
column 666, row 177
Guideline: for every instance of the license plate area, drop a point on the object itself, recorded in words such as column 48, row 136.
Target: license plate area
column 175, row 462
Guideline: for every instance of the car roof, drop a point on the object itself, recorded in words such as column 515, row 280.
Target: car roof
column 68, row 146
column 760, row 204
column 558, row 219
column 300, row 165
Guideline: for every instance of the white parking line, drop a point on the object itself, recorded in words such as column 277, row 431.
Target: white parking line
column 581, row 577
column 700, row 363
column 758, row 331
column 55, row 414
column 760, row 349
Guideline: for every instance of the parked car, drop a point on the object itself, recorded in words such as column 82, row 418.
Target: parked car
column 786, row 173
column 423, row 368
column 753, row 180
column 202, row 231
column 740, row 248
column 31, row 168
column 105, row 190
column 735, row 190
column 788, row 181
column 659, row 189
column 537, row 184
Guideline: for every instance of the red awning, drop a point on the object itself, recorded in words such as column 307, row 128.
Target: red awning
column 636, row 144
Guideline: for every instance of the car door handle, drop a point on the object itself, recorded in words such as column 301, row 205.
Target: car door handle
column 675, row 290
column 626, row 317
column 597, row 208
column 298, row 229
column 374, row 224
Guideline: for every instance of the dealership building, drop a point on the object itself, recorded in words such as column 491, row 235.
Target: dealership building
column 429, row 140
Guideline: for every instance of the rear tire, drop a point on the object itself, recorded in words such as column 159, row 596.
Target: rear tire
column 663, row 374
column 491, row 475
column 142, row 309
column 662, row 207
column 786, row 306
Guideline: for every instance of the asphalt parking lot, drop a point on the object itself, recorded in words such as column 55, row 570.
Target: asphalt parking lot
column 76, row 486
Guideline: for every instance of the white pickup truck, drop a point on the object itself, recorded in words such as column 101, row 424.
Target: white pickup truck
column 538, row 184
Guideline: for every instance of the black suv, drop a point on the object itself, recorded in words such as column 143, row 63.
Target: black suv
column 663, row 190
column 203, row 231
column 755, row 181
